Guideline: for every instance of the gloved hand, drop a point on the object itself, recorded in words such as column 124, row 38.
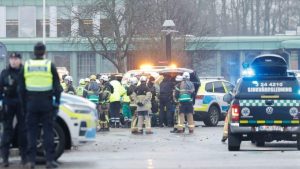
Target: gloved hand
column 140, row 104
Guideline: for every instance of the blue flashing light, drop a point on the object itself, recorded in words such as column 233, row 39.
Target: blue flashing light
column 248, row 72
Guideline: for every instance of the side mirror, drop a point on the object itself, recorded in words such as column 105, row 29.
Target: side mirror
column 245, row 65
column 228, row 98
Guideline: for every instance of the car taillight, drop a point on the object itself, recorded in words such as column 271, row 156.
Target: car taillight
column 235, row 112
column 199, row 97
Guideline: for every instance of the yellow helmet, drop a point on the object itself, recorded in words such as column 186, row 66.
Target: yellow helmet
column 93, row 77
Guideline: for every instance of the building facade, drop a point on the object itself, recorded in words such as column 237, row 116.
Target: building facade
column 21, row 27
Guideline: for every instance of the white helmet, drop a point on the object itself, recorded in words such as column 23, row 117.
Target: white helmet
column 97, row 81
column 87, row 80
column 69, row 78
column 186, row 75
column 143, row 79
column 179, row 78
column 133, row 80
column 81, row 81
column 104, row 78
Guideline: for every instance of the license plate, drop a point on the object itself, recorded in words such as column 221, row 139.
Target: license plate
column 270, row 128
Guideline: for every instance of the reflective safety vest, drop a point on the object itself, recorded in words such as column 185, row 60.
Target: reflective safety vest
column 185, row 98
column 119, row 91
column 80, row 90
column 38, row 75
column 125, row 98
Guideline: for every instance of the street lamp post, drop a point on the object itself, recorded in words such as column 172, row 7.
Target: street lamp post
column 44, row 21
column 168, row 28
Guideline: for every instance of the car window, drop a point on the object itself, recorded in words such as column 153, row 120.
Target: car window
column 229, row 86
column 209, row 87
column 219, row 88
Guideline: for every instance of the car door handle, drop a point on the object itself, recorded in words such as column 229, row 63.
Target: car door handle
column 269, row 102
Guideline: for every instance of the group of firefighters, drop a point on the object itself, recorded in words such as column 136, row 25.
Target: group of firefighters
column 138, row 101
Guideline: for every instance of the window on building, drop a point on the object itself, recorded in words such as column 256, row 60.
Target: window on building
column 86, row 64
column 219, row 88
column 39, row 28
column 230, row 65
column 106, row 28
column 85, row 27
column 27, row 21
column 63, row 22
column 209, row 87
column 62, row 60
column 12, row 28
column 39, row 22
column 63, row 27
column 12, row 23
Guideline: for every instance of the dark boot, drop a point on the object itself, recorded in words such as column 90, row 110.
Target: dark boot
column 140, row 132
column 149, row 132
column 179, row 131
column 29, row 165
column 174, row 130
column 224, row 138
column 117, row 124
column 113, row 125
column 5, row 163
column 51, row 164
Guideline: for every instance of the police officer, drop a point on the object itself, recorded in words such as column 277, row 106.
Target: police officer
column 165, row 102
column 12, row 107
column 40, row 92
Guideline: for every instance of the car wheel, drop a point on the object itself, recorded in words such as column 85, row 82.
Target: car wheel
column 234, row 141
column 213, row 116
column 59, row 144
column 260, row 143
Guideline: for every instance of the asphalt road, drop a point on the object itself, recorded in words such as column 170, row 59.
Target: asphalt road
column 119, row 149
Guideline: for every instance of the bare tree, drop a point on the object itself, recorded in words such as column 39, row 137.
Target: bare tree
column 122, row 18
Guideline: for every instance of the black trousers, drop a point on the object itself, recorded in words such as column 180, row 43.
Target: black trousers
column 115, row 108
column 40, row 111
column 9, row 113
column 165, row 117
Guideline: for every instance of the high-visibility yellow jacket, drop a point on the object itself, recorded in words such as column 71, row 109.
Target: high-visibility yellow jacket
column 38, row 75
column 79, row 90
column 119, row 91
